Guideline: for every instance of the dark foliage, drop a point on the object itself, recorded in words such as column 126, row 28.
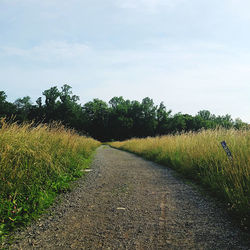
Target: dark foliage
column 117, row 120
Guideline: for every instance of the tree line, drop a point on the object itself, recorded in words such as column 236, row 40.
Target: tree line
column 118, row 119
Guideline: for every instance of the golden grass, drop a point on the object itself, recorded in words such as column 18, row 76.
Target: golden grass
column 35, row 163
column 201, row 157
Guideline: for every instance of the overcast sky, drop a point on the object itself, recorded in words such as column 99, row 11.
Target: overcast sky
column 190, row 54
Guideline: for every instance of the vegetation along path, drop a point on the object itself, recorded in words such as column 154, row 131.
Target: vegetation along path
column 125, row 202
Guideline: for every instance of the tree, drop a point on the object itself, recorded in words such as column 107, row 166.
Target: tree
column 23, row 106
column 148, row 117
column 120, row 121
column 96, row 115
column 162, row 117
column 224, row 121
column 239, row 124
column 37, row 111
column 204, row 114
column 7, row 109
column 177, row 123
column 69, row 111
column 50, row 108
column 207, row 120
column 3, row 97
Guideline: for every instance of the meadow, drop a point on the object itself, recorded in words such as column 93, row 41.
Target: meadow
column 36, row 163
column 201, row 158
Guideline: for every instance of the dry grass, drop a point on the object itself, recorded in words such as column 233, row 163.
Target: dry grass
column 201, row 157
column 35, row 164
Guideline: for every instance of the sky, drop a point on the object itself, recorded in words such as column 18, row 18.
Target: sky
column 190, row 54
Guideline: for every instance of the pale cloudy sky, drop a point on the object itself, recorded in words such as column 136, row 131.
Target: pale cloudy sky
column 190, row 54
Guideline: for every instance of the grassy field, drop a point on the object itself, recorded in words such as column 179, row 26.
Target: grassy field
column 35, row 164
column 200, row 156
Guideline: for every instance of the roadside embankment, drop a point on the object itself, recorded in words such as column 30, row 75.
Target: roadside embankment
column 200, row 157
column 36, row 163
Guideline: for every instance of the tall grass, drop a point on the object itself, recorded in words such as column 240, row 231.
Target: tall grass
column 35, row 164
column 199, row 156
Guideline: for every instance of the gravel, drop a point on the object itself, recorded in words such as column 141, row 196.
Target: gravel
column 126, row 202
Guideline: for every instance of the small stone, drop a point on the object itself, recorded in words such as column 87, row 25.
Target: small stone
column 88, row 170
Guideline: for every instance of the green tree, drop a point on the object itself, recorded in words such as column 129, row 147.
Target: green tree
column 3, row 97
column 162, row 117
column 7, row 109
column 23, row 107
column 149, row 117
column 120, row 121
column 69, row 111
column 225, row 121
column 51, row 104
column 177, row 123
column 239, row 124
column 204, row 114
column 208, row 120
column 37, row 111
column 96, row 114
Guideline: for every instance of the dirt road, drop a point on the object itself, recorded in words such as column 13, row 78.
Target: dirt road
column 126, row 202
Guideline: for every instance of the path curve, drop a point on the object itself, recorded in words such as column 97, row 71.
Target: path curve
column 126, row 202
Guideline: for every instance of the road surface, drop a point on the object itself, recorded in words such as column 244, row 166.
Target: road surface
column 126, row 202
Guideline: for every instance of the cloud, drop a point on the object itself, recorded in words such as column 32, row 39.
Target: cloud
column 240, row 8
column 216, row 88
column 188, row 78
column 50, row 51
column 148, row 4
column 45, row 2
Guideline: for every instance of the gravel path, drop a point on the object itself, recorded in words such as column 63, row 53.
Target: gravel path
column 126, row 202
